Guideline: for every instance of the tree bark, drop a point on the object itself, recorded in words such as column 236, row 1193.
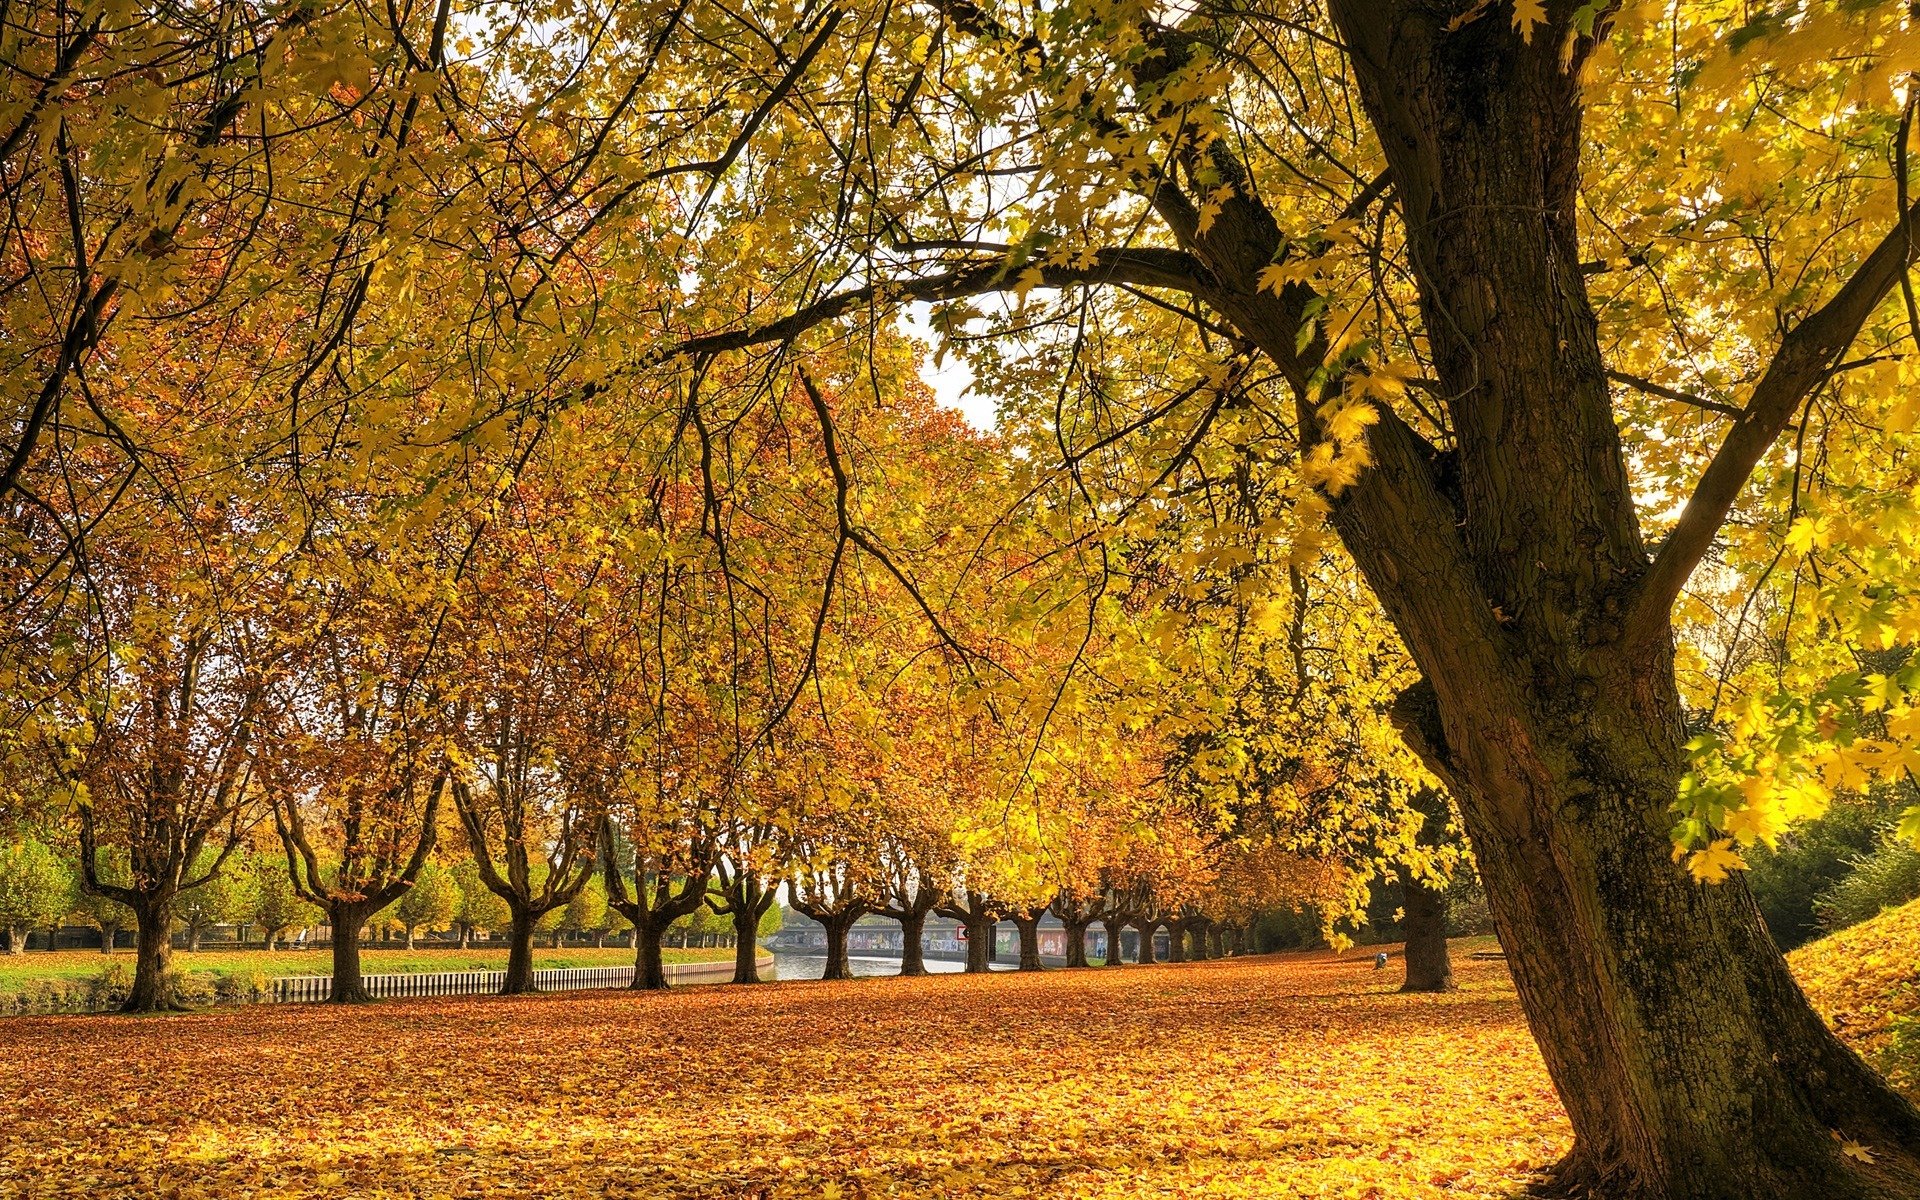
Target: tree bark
column 913, row 955
column 1028, row 924
column 746, row 947
column 16, row 939
column 980, row 934
column 519, row 979
column 837, row 927
column 1176, row 941
column 347, row 988
column 108, row 935
column 1076, row 932
column 649, row 959
column 1114, row 925
column 1145, row 929
column 1424, row 921
column 153, row 955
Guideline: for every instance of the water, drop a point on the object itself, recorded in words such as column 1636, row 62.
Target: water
column 810, row 966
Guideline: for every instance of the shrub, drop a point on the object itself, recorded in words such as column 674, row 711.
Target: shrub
column 1810, row 859
column 107, row 987
column 1888, row 877
column 235, row 988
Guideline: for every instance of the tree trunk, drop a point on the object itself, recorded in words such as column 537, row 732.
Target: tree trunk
column 1145, row 956
column 466, row 935
column 1114, row 927
column 1076, row 932
column 1197, row 934
column 347, row 987
column 1029, row 928
column 16, row 939
column 980, row 934
column 649, row 960
column 913, row 955
column 1424, row 921
column 837, row 966
column 519, row 980
column 746, row 949
column 409, row 942
column 1176, row 941
column 1217, row 942
column 1689, row 1062
column 153, row 956
column 108, row 935
column 272, row 935
column 193, row 939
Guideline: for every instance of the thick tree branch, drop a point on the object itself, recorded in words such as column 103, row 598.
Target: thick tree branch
column 1806, row 358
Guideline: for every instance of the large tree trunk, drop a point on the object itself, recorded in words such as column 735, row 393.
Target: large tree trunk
column 1145, row 929
column 153, row 956
column 519, row 980
column 980, row 933
column 1076, row 942
column 108, row 934
column 913, row 955
column 746, row 950
column 1689, row 1062
column 1114, row 926
column 17, row 939
column 347, row 918
column 1424, row 921
column 1029, row 928
column 1176, row 941
column 649, row 960
column 837, row 966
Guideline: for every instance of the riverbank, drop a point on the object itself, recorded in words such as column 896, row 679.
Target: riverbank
column 64, row 980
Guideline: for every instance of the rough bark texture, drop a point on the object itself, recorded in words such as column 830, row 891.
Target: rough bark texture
column 153, row 955
column 1113, row 926
column 1176, row 941
column 649, row 961
column 913, row 955
column 1424, row 921
column 1076, row 932
column 1145, row 927
column 746, row 949
column 347, row 988
column 519, row 980
column 1028, row 923
column 16, row 939
column 837, row 925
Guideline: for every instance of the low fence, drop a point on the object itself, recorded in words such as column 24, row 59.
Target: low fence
column 299, row 989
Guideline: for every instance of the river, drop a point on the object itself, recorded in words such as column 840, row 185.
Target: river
column 809, row 966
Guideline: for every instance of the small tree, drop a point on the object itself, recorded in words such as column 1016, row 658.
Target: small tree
column 430, row 903
column 276, row 903
column 477, row 907
column 224, row 897
column 587, row 911
column 36, row 889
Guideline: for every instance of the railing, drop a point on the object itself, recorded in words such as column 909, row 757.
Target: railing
column 300, row 989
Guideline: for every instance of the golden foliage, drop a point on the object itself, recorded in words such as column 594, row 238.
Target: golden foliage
column 1302, row 1075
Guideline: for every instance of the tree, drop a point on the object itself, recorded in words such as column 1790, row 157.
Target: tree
column 36, row 890
column 429, row 903
column 362, row 764
column 478, row 908
column 225, row 897
column 277, row 904
column 587, row 911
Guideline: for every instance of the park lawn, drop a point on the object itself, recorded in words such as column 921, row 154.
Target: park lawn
column 1283, row 1076
column 20, row 970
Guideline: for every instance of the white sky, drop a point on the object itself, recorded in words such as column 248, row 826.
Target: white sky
column 951, row 381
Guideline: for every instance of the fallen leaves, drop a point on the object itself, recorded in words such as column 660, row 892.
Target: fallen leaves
column 1293, row 1076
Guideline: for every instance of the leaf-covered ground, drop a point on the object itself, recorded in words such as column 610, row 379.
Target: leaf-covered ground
column 1866, row 978
column 1273, row 1077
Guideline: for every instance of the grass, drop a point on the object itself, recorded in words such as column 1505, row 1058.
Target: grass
column 1287, row 1076
column 21, row 970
